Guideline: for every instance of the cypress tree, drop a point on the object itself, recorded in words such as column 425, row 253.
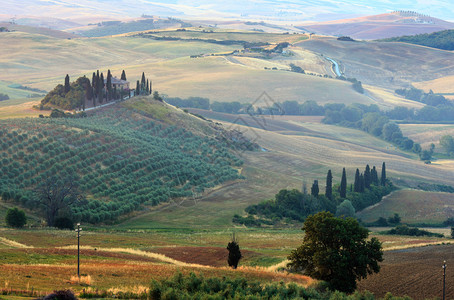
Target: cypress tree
column 356, row 186
column 343, row 185
column 100, row 88
column 383, row 175
column 67, row 85
column 138, row 88
column 367, row 177
column 362, row 186
column 234, row 253
column 314, row 189
column 94, row 81
column 142, row 83
column 123, row 75
column 329, row 186
column 374, row 176
column 109, row 85
column 150, row 88
column 147, row 88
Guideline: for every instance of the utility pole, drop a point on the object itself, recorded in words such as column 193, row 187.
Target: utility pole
column 78, row 230
column 444, row 278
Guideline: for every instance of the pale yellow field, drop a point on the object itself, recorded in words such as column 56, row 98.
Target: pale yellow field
column 42, row 62
column 440, row 85
column 20, row 108
column 425, row 134
column 388, row 99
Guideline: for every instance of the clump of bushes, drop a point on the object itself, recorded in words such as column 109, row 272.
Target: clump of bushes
column 61, row 295
column 412, row 231
column 15, row 218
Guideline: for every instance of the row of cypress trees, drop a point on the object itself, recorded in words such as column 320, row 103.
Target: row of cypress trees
column 362, row 181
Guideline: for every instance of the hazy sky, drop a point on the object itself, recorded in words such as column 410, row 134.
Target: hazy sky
column 267, row 10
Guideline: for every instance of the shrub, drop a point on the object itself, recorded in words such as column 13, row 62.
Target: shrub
column 15, row 218
column 61, row 295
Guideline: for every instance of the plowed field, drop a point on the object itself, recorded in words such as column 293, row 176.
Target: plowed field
column 415, row 272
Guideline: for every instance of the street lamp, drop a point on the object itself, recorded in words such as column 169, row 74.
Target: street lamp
column 444, row 278
column 78, row 230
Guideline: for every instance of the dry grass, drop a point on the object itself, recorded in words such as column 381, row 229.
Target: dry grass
column 439, row 85
column 13, row 244
column 425, row 134
column 83, row 279
column 157, row 256
column 388, row 65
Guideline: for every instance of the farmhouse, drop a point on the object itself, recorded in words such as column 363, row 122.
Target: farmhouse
column 118, row 83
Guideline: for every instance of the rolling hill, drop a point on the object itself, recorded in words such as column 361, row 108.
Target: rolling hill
column 380, row 26
column 139, row 152
column 385, row 64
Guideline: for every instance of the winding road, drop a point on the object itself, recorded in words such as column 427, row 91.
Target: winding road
column 335, row 66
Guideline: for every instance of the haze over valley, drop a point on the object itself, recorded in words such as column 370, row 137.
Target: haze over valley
column 177, row 133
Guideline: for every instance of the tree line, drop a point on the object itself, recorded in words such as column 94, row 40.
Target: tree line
column 341, row 199
column 441, row 39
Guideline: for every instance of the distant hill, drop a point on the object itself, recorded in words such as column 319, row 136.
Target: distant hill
column 119, row 27
column 441, row 39
column 38, row 30
column 380, row 26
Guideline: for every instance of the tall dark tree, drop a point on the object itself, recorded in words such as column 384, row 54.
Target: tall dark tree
column 383, row 175
column 147, row 88
column 356, row 185
column 67, row 85
column 142, row 82
column 362, row 186
column 150, row 88
column 374, row 176
column 234, row 253
column 329, row 186
column 314, row 189
column 138, row 88
column 343, row 185
column 57, row 194
column 367, row 177
column 123, row 75
column 94, row 81
column 109, row 85
column 101, row 88
column 337, row 251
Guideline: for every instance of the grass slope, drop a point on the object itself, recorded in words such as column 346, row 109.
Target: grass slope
column 413, row 206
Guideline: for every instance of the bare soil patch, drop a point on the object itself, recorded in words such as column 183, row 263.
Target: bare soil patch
column 415, row 272
column 207, row 256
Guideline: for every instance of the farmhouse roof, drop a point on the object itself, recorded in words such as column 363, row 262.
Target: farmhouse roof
column 117, row 81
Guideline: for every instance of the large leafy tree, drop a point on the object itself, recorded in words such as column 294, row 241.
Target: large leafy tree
column 447, row 142
column 337, row 251
column 56, row 195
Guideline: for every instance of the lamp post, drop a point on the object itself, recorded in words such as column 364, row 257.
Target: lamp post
column 78, row 230
column 444, row 278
